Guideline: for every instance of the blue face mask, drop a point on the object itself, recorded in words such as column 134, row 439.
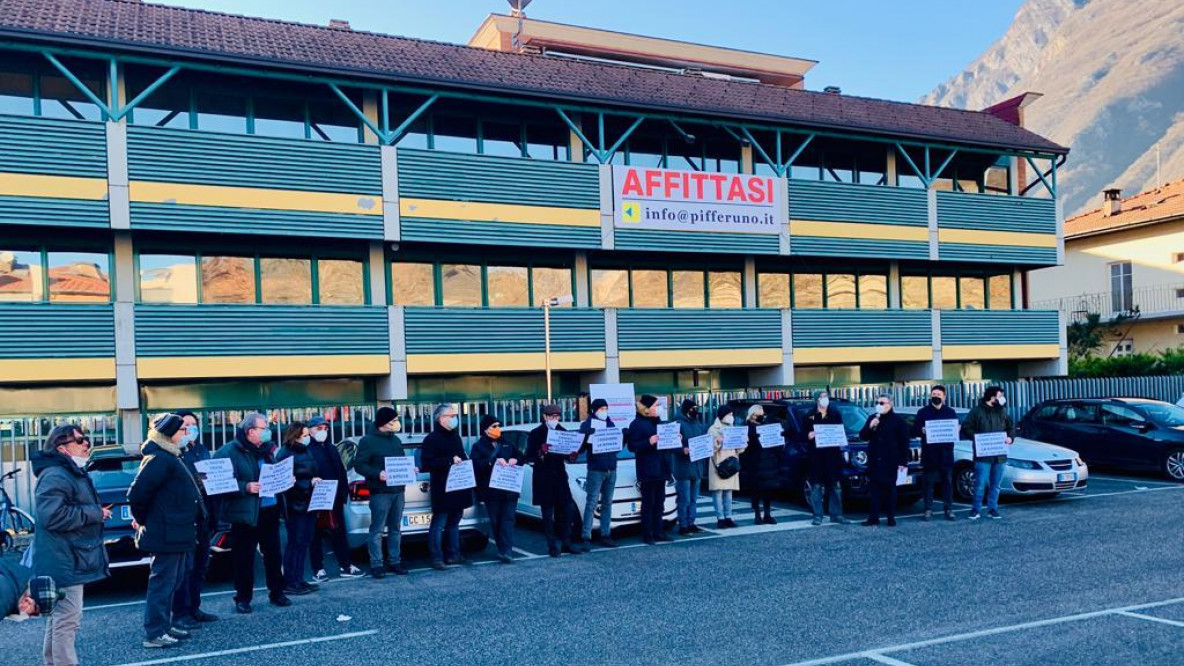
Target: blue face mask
column 190, row 435
column 453, row 422
column 265, row 436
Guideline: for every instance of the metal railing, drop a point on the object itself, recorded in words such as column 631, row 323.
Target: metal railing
column 20, row 437
column 1159, row 299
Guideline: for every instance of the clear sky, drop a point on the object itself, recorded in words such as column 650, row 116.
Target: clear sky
column 877, row 48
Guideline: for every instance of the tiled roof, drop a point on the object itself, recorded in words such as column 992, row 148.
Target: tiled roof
column 1162, row 204
column 174, row 31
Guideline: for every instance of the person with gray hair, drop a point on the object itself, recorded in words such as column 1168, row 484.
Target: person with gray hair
column 442, row 449
column 254, row 520
column 887, row 437
column 826, row 463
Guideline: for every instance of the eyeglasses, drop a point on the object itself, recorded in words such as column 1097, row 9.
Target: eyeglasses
column 85, row 441
column 883, row 402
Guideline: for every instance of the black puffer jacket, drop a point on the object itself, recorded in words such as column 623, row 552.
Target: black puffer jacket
column 164, row 500
column 760, row 468
column 304, row 468
column 439, row 448
column 242, row 508
column 68, row 543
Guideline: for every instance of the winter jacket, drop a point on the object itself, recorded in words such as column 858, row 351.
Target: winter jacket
column 549, row 480
column 721, row 454
column 681, row 465
column 598, row 462
column 191, row 455
column 164, row 499
column 652, row 464
column 760, row 468
column 934, row 456
column 14, row 578
column 985, row 418
column 439, row 448
column 68, row 542
column 304, row 468
column 887, row 446
column 331, row 467
column 242, row 508
column 486, row 452
column 370, row 460
column 826, row 464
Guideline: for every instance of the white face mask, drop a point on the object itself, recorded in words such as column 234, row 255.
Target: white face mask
column 824, row 402
column 320, row 435
column 305, row 440
column 1001, row 399
column 79, row 460
column 602, row 414
column 728, row 420
column 552, row 423
column 881, row 409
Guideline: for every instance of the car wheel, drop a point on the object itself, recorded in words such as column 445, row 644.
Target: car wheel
column 1173, row 464
column 964, row 482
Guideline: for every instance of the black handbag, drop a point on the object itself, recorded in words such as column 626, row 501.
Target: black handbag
column 728, row 468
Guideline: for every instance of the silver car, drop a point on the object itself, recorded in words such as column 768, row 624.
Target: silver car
column 417, row 509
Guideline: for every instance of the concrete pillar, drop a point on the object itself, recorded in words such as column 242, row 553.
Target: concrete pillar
column 370, row 110
column 750, row 286
column 890, row 169
column 394, row 386
column 377, row 277
column 1017, row 289
column 127, row 386
column 746, row 159
column 924, row 371
column 938, row 361
column 779, row 375
column 583, row 281
column 612, row 354
column 931, row 195
column 607, row 214
column 390, row 193
column 573, row 142
column 894, row 285
column 118, row 198
column 783, row 237
column 1053, row 367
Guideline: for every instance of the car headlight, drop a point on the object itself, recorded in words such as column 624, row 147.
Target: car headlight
column 1080, row 462
column 1023, row 464
column 860, row 458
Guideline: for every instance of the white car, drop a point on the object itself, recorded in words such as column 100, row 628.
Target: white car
column 626, row 508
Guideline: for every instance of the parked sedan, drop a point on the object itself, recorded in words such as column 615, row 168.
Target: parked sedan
column 112, row 470
column 1122, row 433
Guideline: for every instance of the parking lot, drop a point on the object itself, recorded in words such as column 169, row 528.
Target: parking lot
column 1087, row 578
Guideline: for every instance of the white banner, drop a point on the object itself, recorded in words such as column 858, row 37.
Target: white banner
column 771, row 435
column 677, row 200
column 669, row 436
column 460, row 477
column 400, row 470
column 217, row 475
column 829, row 435
column 622, row 403
column 564, row 442
column 735, row 437
column 323, row 495
column 606, row 440
column 990, row 444
column 275, row 479
column 507, row 477
column 941, row 431
column 701, row 447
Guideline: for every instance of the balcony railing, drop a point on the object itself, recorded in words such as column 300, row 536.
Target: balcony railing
column 1158, row 301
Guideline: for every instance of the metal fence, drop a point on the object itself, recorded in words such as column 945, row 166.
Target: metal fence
column 20, row 437
column 1158, row 299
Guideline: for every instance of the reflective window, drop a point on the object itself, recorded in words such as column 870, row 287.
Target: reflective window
column 1000, row 289
column 972, row 293
column 687, row 289
column 610, row 288
column 333, row 122
column 807, row 290
column 873, row 292
column 341, row 282
column 507, row 287
column 279, row 116
column 773, row 290
column 227, row 279
column 650, row 289
column 20, row 276
column 461, row 284
column 552, row 283
column 945, row 292
column 61, row 99
column 914, row 292
column 725, row 290
column 285, row 281
column 840, row 291
column 167, row 278
column 547, row 143
column 413, row 284
column 16, row 92
column 455, row 134
column 501, row 139
column 219, row 112
column 79, row 277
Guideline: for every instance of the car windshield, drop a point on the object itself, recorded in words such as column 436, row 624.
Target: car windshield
column 1163, row 413
column 114, row 473
column 854, row 416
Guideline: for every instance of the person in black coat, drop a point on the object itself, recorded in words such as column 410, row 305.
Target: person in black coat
column 601, row 477
column 936, row 459
column 330, row 525
column 299, row 521
column 442, row 449
column 549, row 488
column 826, row 464
column 187, row 612
column 166, row 505
column 653, row 468
column 491, row 451
column 760, row 469
column 887, row 436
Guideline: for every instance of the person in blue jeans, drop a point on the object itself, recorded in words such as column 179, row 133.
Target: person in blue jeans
column 988, row 416
column 442, row 449
column 492, row 451
column 602, row 477
column 688, row 474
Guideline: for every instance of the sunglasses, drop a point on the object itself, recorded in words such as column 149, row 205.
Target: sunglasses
column 85, row 441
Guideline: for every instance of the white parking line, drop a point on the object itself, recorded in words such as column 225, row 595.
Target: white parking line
column 1127, row 479
column 885, row 659
column 1152, row 618
column 252, row 648
column 526, row 554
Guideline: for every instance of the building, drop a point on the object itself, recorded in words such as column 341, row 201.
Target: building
column 211, row 211
column 1125, row 262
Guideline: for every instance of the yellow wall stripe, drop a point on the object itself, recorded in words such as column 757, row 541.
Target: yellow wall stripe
column 471, row 211
column 998, row 352
column 858, row 230
column 55, row 187
column 255, row 197
column 262, row 366
column 56, row 399
column 418, row 364
column 848, row 355
column 700, row 358
column 57, row 369
column 979, row 237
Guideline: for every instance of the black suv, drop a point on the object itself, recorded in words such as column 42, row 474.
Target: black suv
column 1121, row 433
column 795, row 462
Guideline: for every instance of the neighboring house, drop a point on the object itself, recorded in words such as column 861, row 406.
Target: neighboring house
column 1125, row 258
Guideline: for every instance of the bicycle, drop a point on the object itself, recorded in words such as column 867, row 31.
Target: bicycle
column 16, row 525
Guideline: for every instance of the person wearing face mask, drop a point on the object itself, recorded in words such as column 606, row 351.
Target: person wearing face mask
column 826, row 464
column 653, row 468
column 602, row 477
column 254, row 520
column 68, row 542
column 386, row 502
column 887, row 437
column 298, row 520
column 688, row 474
column 760, row 469
column 491, row 451
column 187, row 601
column 988, row 416
column 549, row 488
column 166, row 505
column 721, row 488
column 442, row 449
column 330, row 525
column 936, row 459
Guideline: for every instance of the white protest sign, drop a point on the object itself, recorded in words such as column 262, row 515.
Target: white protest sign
column 507, row 477
column 606, row 440
column 275, row 479
column 461, row 477
column 400, row 470
column 990, row 444
column 701, row 447
column 564, row 442
column 941, row 431
column 829, row 435
column 622, row 402
column 217, row 475
column 735, row 437
column 902, row 476
column 669, row 436
column 771, row 434
column 323, row 495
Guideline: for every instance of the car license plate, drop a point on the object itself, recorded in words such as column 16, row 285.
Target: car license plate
column 125, row 512
column 417, row 520
column 1066, row 476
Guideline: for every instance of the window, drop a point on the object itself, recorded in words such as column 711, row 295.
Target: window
column 972, row 293
column 840, row 292
column 453, row 134
column 547, row 143
column 687, row 289
column 285, row 281
column 1124, row 348
column 610, row 288
column 413, row 284
column 649, row 289
column 1121, row 288
column 168, row 278
column 60, row 99
column 508, row 286
column 549, row 283
column 1179, row 329
column 220, row 112
column 1178, row 257
column 807, row 290
column 945, row 292
column 279, row 116
column 501, row 139
column 16, row 92
column 341, row 282
column 999, row 287
column 78, row 277
column 227, row 279
column 1120, row 415
column 1079, row 412
column 333, row 122
column 914, row 292
column 773, row 290
column 873, row 292
column 725, row 290
column 20, row 276
column 461, row 285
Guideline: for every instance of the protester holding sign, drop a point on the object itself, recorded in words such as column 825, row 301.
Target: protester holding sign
column 723, row 476
column 386, row 501
column 937, row 457
column 760, row 469
column 988, row 416
column 653, row 468
column 442, row 449
column 297, row 518
column 887, row 436
column 187, row 601
column 491, row 451
column 602, row 476
column 549, row 485
column 330, row 524
column 254, row 520
column 826, row 462
column 688, row 473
